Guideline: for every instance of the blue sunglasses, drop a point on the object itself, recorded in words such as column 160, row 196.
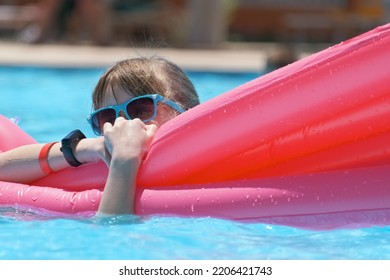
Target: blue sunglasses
column 143, row 107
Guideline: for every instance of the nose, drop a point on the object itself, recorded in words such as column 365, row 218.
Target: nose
column 122, row 114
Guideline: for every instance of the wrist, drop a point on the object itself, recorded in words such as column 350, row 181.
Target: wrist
column 90, row 150
column 125, row 158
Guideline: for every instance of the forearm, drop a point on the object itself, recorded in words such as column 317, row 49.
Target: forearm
column 21, row 165
column 119, row 191
column 127, row 142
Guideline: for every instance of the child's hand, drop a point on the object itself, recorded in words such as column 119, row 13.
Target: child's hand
column 128, row 139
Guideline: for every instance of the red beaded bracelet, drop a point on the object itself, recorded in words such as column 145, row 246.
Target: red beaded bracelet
column 43, row 158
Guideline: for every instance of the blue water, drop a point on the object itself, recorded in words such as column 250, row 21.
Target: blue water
column 51, row 102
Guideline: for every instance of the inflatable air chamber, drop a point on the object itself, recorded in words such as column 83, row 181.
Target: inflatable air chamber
column 308, row 143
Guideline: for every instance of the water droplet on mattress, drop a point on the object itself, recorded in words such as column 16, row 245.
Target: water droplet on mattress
column 15, row 120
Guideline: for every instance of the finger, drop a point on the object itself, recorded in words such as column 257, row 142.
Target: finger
column 119, row 120
column 139, row 122
column 151, row 129
column 106, row 127
column 154, row 122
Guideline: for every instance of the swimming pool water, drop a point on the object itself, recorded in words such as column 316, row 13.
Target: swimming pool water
column 49, row 102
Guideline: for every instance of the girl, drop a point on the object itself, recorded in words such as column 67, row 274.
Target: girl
column 132, row 99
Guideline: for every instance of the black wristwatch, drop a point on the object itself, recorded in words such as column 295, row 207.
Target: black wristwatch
column 68, row 144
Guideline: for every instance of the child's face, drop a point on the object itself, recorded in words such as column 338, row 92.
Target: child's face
column 164, row 113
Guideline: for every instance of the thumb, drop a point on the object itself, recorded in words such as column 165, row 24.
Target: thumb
column 151, row 130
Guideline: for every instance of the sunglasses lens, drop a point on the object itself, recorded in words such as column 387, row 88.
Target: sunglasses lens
column 100, row 118
column 142, row 108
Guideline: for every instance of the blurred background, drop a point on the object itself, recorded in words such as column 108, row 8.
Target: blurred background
column 195, row 24
column 187, row 23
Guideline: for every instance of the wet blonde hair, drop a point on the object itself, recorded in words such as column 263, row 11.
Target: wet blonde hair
column 147, row 75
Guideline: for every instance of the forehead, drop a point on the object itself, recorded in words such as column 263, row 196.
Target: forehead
column 115, row 95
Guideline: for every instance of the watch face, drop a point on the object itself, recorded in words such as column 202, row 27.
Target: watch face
column 68, row 144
